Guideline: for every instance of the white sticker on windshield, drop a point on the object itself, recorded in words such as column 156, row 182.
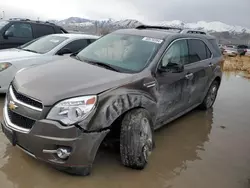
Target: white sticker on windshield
column 54, row 40
column 158, row 41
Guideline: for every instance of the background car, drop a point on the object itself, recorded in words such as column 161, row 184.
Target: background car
column 230, row 51
column 242, row 49
column 39, row 51
column 248, row 51
column 16, row 32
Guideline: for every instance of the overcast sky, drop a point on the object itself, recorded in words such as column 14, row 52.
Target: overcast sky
column 229, row 11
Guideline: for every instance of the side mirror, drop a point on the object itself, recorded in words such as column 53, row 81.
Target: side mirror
column 173, row 67
column 64, row 51
column 8, row 34
column 176, row 68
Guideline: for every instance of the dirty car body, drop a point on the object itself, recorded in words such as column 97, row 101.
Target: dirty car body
column 167, row 77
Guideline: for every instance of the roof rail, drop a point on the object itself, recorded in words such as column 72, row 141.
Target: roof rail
column 157, row 27
column 37, row 21
column 20, row 19
column 50, row 23
column 193, row 31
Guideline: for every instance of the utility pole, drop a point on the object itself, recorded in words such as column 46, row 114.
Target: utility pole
column 3, row 14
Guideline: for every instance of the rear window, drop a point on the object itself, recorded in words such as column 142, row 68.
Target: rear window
column 216, row 47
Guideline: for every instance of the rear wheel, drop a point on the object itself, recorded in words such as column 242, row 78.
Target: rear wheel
column 211, row 96
column 136, row 139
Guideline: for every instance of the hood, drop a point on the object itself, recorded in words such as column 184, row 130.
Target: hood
column 13, row 54
column 67, row 78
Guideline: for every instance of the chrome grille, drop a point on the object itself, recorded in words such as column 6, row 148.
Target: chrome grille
column 26, row 99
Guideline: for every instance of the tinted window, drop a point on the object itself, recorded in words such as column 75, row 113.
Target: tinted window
column 77, row 45
column 92, row 40
column 177, row 54
column 41, row 30
column 209, row 54
column 44, row 44
column 22, row 30
column 128, row 53
column 197, row 50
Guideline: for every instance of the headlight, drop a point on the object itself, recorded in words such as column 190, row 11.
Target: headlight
column 74, row 110
column 4, row 66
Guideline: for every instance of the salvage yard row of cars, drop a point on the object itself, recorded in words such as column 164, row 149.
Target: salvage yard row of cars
column 235, row 50
column 120, row 88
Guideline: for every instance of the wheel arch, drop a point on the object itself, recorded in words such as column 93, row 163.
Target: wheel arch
column 112, row 108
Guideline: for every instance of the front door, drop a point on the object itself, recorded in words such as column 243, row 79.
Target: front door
column 173, row 82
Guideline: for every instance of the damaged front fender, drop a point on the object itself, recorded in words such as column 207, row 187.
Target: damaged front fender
column 112, row 105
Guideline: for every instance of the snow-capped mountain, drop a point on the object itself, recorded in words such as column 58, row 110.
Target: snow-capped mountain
column 215, row 26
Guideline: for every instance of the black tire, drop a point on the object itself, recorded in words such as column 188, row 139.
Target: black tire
column 211, row 95
column 136, row 139
column 77, row 171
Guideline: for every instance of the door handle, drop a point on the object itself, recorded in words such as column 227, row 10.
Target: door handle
column 189, row 76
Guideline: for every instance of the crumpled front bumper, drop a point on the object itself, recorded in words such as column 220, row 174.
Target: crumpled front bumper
column 50, row 135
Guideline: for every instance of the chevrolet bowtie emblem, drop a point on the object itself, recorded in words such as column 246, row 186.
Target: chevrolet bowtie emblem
column 12, row 105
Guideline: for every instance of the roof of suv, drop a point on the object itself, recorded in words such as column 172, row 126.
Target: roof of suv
column 31, row 21
column 164, row 32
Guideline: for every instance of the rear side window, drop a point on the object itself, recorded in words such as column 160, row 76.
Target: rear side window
column 216, row 47
column 198, row 51
column 42, row 30
column 209, row 54
column 77, row 45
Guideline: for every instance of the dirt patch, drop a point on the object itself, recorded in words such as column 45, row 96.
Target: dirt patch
column 239, row 63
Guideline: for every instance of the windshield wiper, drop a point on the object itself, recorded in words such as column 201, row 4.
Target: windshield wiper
column 29, row 50
column 100, row 64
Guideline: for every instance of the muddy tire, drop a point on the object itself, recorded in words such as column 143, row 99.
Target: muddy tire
column 76, row 171
column 136, row 139
column 211, row 96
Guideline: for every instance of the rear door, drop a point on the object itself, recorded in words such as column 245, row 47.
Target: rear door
column 200, row 69
column 42, row 30
column 21, row 34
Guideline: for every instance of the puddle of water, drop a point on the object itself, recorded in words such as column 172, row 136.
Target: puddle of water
column 201, row 149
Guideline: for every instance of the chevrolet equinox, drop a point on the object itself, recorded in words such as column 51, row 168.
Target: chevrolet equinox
column 126, row 84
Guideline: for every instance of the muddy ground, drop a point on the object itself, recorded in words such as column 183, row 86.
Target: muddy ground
column 199, row 150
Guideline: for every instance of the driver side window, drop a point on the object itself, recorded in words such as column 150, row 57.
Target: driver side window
column 176, row 54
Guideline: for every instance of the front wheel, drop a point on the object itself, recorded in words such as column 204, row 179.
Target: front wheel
column 136, row 139
column 211, row 96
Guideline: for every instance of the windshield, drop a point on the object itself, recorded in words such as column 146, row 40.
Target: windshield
column 128, row 53
column 3, row 23
column 43, row 44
